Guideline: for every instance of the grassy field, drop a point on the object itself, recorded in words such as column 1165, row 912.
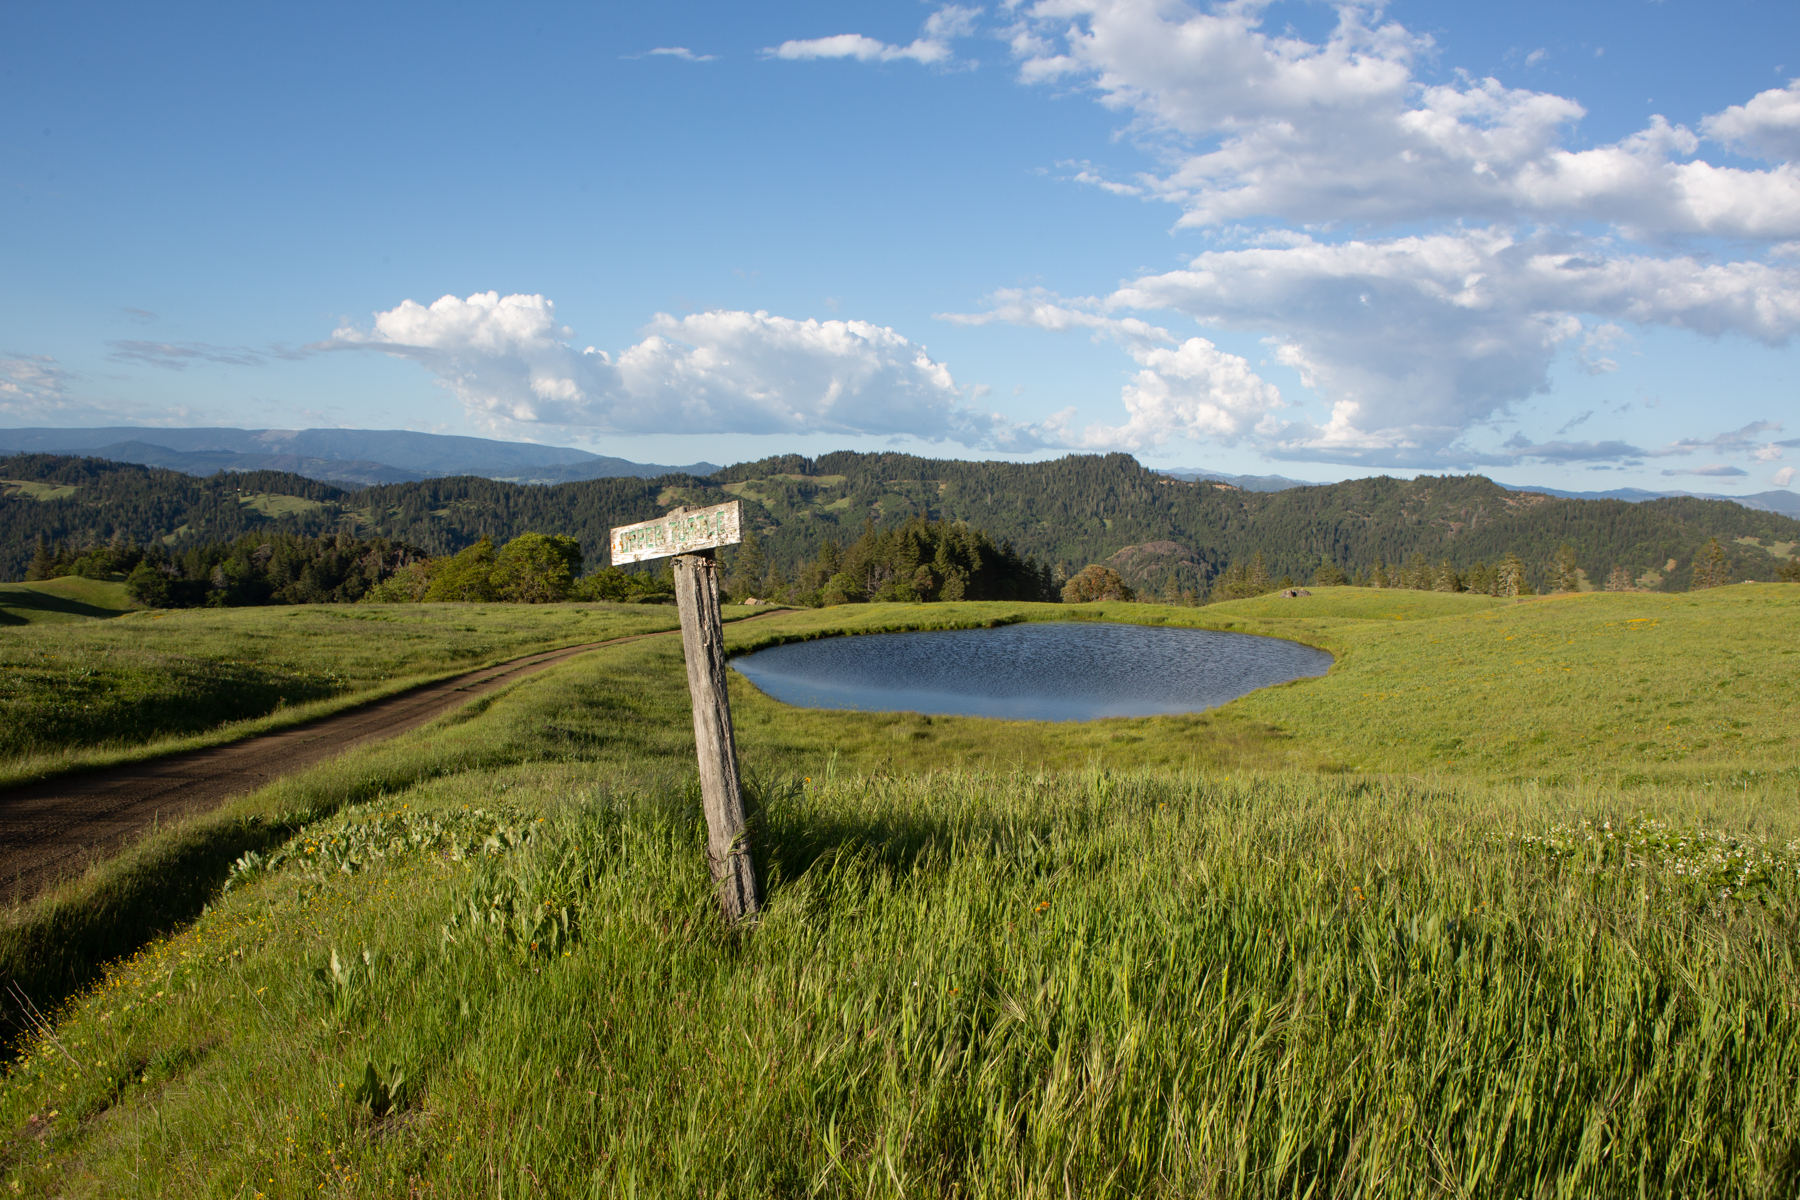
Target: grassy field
column 1215, row 956
column 87, row 692
column 60, row 601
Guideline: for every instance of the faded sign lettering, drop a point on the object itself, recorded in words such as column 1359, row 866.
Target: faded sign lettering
column 681, row 532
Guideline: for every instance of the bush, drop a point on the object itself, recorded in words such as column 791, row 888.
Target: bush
column 1095, row 582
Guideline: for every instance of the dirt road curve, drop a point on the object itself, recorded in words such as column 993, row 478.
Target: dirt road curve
column 51, row 829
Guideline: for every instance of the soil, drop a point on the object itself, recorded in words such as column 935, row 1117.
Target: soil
column 52, row 830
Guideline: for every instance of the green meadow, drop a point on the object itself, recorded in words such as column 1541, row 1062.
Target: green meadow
column 1505, row 904
column 78, row 692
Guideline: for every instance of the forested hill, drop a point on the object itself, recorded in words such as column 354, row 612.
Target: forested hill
column 1073, row 511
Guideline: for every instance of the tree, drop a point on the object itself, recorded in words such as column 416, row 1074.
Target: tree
column 466, row 577
column 1620, row 579
column 1095, row 582
column 1510, row 579
column 1259, row 574
column 1446, row 579
column 1712, row 568
column 1789, row 573
column 536, row 568
column 148, row 586
column 43, row 563
column 1327, row 574
column 1568, row 573
column 749, row 566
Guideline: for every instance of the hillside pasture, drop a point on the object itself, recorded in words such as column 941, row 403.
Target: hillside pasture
column 484, row 957
column 85, row 693
column 58, row 601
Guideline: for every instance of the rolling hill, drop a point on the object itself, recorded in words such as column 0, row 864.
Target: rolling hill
column 1070, row 512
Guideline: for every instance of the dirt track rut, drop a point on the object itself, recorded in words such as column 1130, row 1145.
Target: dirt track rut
column 52, row 829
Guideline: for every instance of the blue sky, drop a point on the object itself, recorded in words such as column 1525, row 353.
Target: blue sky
column 1557, row 244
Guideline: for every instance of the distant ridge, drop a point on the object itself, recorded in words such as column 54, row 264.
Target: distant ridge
column 1784, row 502
column 358, row 457
column 1250, row 483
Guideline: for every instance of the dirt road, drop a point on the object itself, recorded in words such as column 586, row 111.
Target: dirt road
column 53, row 829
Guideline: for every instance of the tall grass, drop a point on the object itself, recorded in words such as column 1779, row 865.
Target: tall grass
column 1135, row 957
column 1150, row 983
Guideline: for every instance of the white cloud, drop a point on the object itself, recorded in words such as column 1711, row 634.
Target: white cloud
column 1415, row 341
column 1255, row 125
column 1712, row 471
column 681, row 52
column 1041, row 309
column 932, row 47
column 1194, row 390
column 507, row 360
column 1783, row 477
column 33, row 388
column 1768, row 127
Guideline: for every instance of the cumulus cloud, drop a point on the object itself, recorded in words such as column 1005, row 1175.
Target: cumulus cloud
column 1768, row 127
column 1514, row 248
column 1783, row 477
column 1415, row 341
column 508, row 360
column 1194, row 390
column 931, row 47
column 1252, row 124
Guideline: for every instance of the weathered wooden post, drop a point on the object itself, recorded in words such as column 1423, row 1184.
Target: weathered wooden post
column 691, row 535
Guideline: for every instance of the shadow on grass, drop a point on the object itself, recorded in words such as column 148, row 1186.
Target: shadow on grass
column 32, row 600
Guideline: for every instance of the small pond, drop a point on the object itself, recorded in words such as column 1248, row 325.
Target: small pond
column 1051, row 671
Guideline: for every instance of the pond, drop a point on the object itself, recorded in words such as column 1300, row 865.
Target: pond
column 1048, row 671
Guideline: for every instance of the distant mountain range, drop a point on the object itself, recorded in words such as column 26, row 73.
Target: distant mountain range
column 1785, row 502
column 354, row 457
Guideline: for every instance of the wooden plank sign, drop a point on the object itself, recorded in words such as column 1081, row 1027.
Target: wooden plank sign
column 683, row 531
column 691, row 536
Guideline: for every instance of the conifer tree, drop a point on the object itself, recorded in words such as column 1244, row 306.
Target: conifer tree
column 43, row 563
column 748, row 566
column 1620, row 579
column 1259, row 575
column 1447, row 579
column 1711, row 566
column 1511, row 580
column 1327, row 574
column 1568, row 573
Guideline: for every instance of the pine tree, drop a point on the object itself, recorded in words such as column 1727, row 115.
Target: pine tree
column 1327, row 574
column 43, row 563
column 1568, row 573
column 1259, row 575
column 1711, row 566
column 1511, row 581
column 1447, row 579
column 1620, row 579
column 748, row 566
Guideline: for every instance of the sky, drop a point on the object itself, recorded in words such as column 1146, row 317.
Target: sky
column 1554, row 244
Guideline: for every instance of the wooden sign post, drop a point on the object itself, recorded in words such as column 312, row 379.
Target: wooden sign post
column 690, row 536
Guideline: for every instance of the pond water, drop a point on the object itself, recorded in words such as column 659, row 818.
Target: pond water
column 1047, row 671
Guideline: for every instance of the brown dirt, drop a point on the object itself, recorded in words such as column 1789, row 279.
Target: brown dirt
column 52, row 830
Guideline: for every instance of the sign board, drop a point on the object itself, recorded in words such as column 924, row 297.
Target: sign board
column 681, row 532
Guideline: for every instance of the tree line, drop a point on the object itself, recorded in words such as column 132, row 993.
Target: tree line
column 1064, row 515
